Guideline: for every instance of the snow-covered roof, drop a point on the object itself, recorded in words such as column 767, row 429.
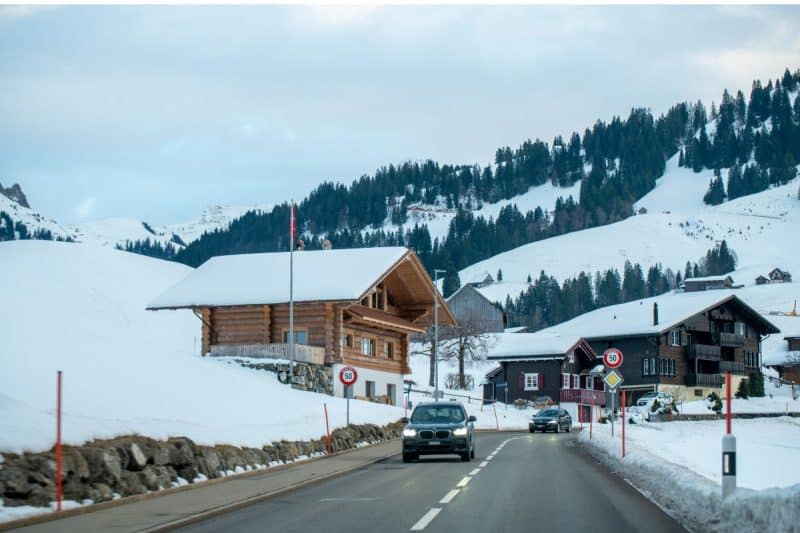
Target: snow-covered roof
column 251, row 279
column 709, row 278
column 516, row 345
column 636, row 318
column 480, row 278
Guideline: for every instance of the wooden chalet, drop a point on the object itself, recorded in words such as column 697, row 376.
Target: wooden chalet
column 707, row 283
column 546, row 368
column 352, row 307
column 678, row 342
column 777, row 275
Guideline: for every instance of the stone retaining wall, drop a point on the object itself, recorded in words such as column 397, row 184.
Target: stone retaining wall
column 105, row 469
column 307, row 376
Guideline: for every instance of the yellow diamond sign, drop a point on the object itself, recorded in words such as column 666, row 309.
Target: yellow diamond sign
column 613, row 379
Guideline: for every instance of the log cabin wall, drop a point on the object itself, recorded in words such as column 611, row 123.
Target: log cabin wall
column 351, row 348
column 245, row 324
column 316, row 319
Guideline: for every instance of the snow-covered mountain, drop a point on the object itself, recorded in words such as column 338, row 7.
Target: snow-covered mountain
column 116, row 231
column 763, row 229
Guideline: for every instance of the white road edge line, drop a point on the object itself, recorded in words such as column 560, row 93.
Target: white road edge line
column 474, row 472
column 426, row 519
column 449, row 496
column 483, row 464
column 463, row 482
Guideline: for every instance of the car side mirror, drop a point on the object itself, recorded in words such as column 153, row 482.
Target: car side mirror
column 471, row 418
column 404, row 420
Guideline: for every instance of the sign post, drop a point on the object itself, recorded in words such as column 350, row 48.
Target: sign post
column 613, row 379
column 623, row 423
column 348, row 376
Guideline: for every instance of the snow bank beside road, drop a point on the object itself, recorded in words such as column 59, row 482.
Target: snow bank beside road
column 677, row 465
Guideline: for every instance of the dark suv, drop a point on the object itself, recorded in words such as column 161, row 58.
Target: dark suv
column 552, row 418
column 439, row 428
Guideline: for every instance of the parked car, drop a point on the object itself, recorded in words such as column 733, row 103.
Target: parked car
column 645, row 403
column 552, row 419
column 438, row 428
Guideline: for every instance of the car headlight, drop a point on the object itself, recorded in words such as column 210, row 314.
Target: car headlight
column 408, row 432
column 553, row 422
column 460, row 432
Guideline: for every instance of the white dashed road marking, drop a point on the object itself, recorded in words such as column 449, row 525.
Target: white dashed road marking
column 463, row 482
column 484, row 463
column 474, row 472
column 426, row 519
column 449, row 496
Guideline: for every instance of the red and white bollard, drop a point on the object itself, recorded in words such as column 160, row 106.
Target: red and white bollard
column 728, row 446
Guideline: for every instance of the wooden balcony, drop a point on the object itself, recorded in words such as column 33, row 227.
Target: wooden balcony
column 734, row 367
column 583, row 396
column 302, row 352
column 704, row 380
column 705, row 351
column 731, row 340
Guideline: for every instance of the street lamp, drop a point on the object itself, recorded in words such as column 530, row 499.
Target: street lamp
column 436, row 333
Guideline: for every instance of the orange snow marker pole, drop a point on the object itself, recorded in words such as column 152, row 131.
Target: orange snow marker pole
column 591, row 416
column 59, row 459
column 327, row 430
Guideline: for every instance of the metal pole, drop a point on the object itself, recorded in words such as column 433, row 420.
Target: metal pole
column 59, row 457
column 436, row 334
column 327, row 430
column 347, row 394
column 613, row 394
column 623, row 423
column 291, row 295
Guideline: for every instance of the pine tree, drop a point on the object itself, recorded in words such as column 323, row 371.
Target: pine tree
column 499, row 275
column 450, row 284
column 716, row 192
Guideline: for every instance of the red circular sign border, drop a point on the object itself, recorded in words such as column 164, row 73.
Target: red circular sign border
column 612, row 350
column 341, row 376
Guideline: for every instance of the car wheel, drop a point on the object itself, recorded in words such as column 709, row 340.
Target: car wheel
column 407, row 457
column 465, row 457
column 531, row 430
column 472, row 453
column 569, row 427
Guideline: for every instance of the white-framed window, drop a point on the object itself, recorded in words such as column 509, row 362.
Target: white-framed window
column 589, row 382
column 367, row 346
column 741, row 329
column 649, row 367
column 675, row 337
column 389, row 349
column 531, row 381
column 300, row 336
column 576, row 381
column 565, row 381
column 347, row 340
column 571, row 357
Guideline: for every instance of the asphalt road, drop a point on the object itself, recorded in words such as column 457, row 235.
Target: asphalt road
column 518, row 482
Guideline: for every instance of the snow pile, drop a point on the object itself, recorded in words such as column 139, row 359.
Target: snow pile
column 80, row 308
column 677, row 465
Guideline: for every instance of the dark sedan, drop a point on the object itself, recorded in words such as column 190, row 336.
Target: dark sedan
column 439, row 428
column 552, row 419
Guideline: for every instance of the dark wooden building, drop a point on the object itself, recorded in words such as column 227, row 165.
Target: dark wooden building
column 471, row 308
column 707, row 283
column 546, row 369
column 352, row 307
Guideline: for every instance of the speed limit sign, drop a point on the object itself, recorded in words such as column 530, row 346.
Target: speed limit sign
column 348, row 376
column 612, row 358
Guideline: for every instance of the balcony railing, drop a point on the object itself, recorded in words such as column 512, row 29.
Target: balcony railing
column 731, row 340
column 704, row 380
column 706, row 351
column 583, row 396
column 302, row 352
column 734, row 367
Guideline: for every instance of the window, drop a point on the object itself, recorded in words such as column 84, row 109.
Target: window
column 589, row 382
column 675, row 337
column 347, row 340
column 390, row 392
column 389, row 350
column 699, row 393
column 751, row 359
column 571, row 357
column 369, row 389
column 741, row 329
column 367, row 346
column 666, row 367
column 300, row 336
column 649, row 366
column 565, row 381
column 576, row 381
column 531, row 381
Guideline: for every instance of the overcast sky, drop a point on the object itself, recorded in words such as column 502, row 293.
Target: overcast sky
column 154, row 112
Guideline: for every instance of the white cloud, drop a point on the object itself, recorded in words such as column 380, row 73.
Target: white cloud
column 86, row 208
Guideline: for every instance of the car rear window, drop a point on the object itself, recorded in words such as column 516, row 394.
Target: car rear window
column 437, row 414
column 549, row 412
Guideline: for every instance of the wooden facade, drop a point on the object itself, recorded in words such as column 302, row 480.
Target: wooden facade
column 371, row 332
column 694, row 354
column 470, row 307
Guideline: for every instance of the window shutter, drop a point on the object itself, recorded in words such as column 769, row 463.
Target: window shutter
column 541, row 380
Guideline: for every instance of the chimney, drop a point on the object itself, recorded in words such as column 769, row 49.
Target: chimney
column 655, row 313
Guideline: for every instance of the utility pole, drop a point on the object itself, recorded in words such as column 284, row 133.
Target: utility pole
column 292, row 229
column 436, row 333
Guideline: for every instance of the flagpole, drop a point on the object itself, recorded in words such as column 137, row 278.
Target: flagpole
column 291, row 296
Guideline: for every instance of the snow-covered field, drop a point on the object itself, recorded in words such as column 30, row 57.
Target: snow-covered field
column 80, row 308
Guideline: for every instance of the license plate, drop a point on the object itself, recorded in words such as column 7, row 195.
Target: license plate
column 434, row 443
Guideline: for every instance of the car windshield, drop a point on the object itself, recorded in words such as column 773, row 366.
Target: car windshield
column 437, row 414
column 548, row 412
